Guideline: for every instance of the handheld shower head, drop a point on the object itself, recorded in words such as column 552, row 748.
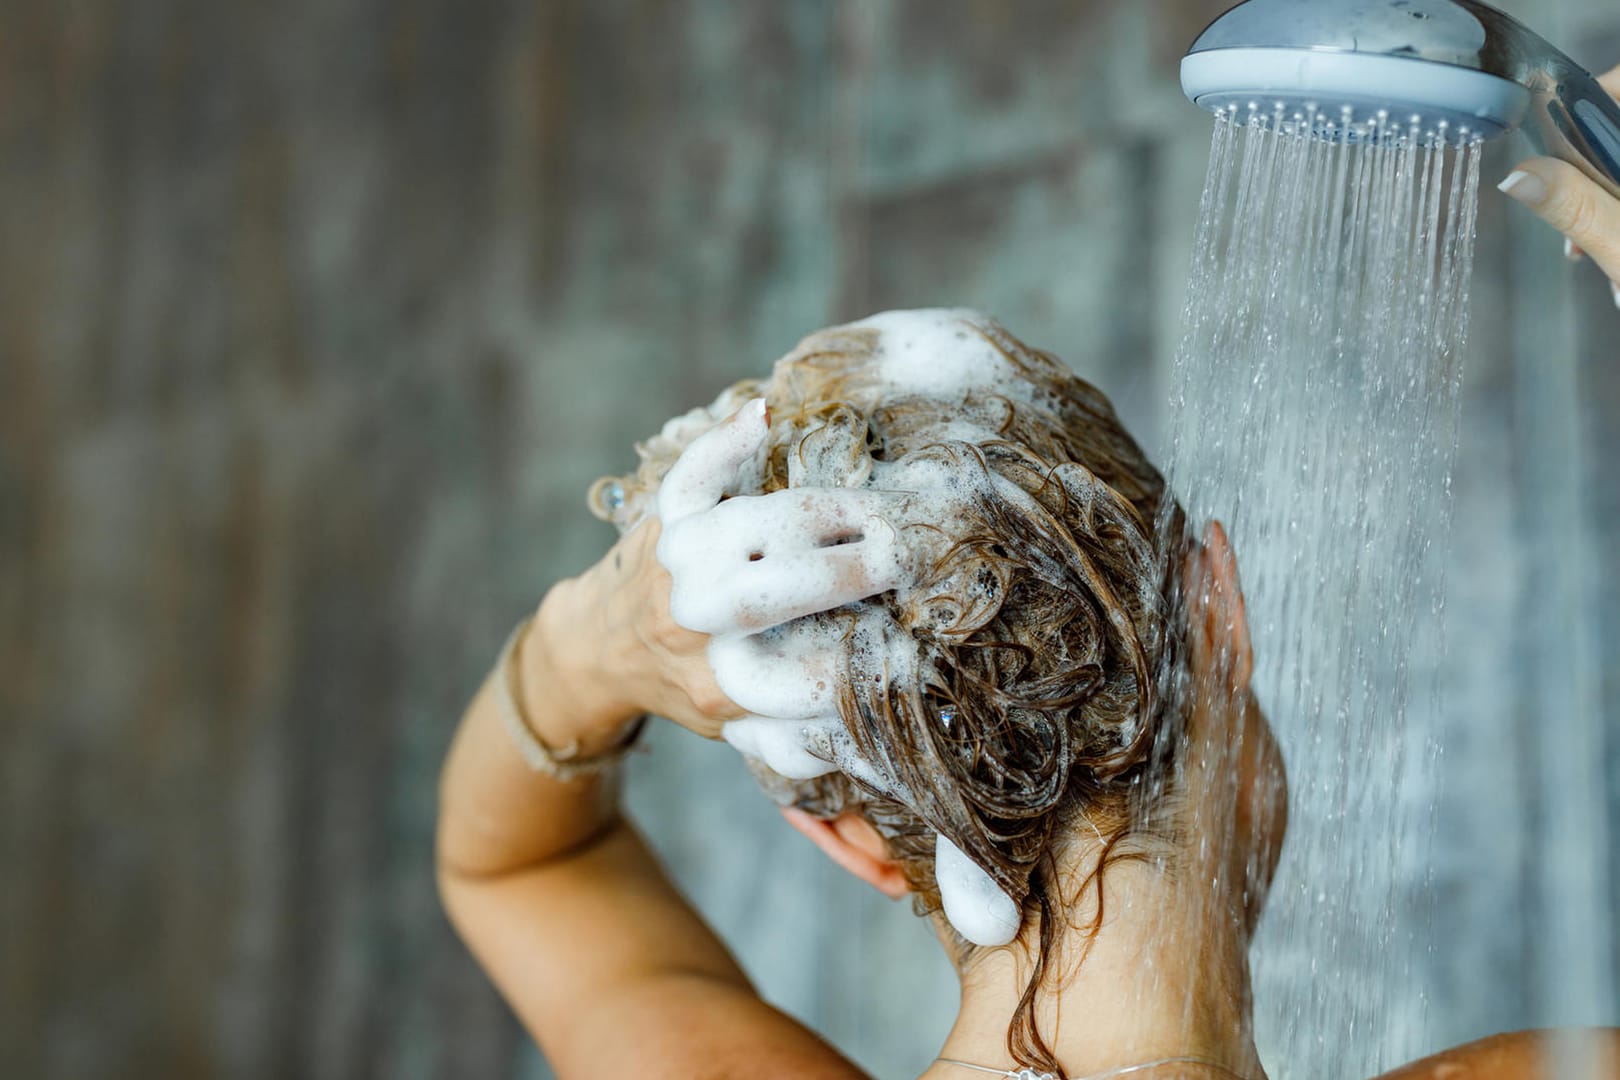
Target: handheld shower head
column 1457, row 68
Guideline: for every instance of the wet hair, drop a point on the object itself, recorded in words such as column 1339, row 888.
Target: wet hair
column 1041, row 624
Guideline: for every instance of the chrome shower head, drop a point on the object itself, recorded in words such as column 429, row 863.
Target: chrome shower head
column 1457, row 63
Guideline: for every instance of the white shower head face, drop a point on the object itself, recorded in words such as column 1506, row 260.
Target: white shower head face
column 1366, row 93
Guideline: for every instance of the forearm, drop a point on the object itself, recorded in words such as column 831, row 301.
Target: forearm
column 565, row 907
column 496, row 814
column 560, row 901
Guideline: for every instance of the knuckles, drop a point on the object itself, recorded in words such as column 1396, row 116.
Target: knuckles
column 697, row 610
column 663, row 630
column 707, row 697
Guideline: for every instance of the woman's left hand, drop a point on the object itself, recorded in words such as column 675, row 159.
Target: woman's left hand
column 1569, row 201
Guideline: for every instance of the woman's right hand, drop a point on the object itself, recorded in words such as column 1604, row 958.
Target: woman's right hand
column 631, row 635
column 1571, row 202
column 609, row 641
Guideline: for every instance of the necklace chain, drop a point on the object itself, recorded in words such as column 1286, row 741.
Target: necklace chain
column 1124, row 1070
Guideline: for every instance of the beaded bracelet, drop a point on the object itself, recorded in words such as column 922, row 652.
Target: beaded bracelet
column 564, row 764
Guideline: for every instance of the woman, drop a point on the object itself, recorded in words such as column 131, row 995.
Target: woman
column 1049, row 746
column 1125, row 951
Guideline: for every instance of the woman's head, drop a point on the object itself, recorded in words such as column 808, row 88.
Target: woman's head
column 1009, row 695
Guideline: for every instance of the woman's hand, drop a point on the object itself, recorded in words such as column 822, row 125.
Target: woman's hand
column 631, row 635
column 1569, row 201
column 608, row 635
column 554, row 892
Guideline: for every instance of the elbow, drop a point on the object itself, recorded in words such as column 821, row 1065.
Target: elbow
column 465, row 858
column 451, row 879
column 461, row 882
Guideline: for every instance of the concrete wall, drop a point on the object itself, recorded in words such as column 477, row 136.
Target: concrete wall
column 317, row 319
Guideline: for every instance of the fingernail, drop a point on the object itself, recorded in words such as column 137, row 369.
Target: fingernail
column 1527, row 188
column 1571, row 252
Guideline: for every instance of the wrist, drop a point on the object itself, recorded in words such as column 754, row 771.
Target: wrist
column 569, row 700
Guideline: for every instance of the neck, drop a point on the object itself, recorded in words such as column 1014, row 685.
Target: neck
column 1166, row 976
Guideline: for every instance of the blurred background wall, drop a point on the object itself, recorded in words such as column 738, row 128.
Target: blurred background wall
column 317, row 319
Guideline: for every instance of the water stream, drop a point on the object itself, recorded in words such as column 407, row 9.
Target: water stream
column 1314, row 405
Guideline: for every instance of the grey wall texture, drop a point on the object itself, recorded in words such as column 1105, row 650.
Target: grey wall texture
column 316, row 321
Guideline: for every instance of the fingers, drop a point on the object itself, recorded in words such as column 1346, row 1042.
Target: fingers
column 756, row 562
column 1575, row 205
column 798, row 750
column 742, row 597
column 709, row 466
column 1611, row 82
column 804, row 749
column 785, row 672
column 791, row 519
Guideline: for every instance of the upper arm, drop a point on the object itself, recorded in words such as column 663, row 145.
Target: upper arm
column 614, row 974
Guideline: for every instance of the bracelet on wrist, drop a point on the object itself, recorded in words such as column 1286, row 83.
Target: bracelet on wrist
column 565, row 763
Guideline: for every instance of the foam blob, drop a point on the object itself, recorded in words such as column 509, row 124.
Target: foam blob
column 973, row 902
column 941, row 352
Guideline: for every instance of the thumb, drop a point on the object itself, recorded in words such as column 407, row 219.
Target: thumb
column 1573, row 203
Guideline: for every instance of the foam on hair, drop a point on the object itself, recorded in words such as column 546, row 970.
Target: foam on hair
column 999, row 677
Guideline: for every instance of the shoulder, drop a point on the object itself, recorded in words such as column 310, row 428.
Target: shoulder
column 1519, row 1055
